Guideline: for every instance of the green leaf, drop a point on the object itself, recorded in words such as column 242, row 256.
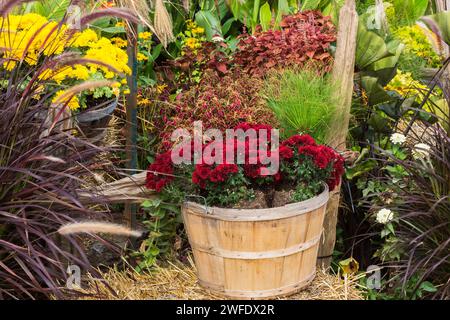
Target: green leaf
column 379, row 123
column 156, row 51
column 360, row 169
column 375, row 91
column 310, row 5
column 151, row 203
column 390, row 227
column 227, row 25
column 370, row 48
column 113, row 30
column 408, row 11
column 209, row 22
column 256, row 4
column 154, row 251
column 283, row 8
column 428, row 286
column 53, row 10
column 265, row 16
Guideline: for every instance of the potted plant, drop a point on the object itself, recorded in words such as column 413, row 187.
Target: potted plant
column 253, row 219
column 30, row 39
column 93, row 108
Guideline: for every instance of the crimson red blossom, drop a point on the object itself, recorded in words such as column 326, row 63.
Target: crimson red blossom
column 160, row 172
column 255, row 167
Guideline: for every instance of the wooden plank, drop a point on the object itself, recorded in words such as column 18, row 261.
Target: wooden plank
column 343, row 76
column 343, row 72
column 130, row 189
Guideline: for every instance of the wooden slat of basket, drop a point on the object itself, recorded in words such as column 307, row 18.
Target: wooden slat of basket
column 130, row 189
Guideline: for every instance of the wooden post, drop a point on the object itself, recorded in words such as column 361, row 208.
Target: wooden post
column 343, row 75
column 131, row 125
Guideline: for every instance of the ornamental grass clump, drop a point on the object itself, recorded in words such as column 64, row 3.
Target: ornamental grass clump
column 42, row 164
column 299, row 166
column 303, row 102
column 416, row 219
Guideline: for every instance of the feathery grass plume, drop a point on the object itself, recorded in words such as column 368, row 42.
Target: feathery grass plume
column 442, row 5
column 98, row 227
column 186, row 5
column 163, row 23
column 7, row 5
column 439, row 46
column 88, row 85
column 41, row 174
column 140, row 8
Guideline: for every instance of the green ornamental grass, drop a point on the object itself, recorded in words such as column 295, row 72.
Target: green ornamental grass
column 303, row 101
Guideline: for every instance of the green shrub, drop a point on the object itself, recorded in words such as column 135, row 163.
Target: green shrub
column 302, row 101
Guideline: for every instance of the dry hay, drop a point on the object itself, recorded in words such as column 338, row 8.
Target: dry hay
column 179, row 282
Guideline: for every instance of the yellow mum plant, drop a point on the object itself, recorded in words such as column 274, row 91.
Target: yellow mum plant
column 27, row 38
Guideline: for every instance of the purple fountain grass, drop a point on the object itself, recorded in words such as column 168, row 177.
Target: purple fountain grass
column 40, row 175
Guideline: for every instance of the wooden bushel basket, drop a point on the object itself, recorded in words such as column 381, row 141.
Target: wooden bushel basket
column 256, row 253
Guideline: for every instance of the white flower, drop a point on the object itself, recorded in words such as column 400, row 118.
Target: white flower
column 398, row 138
column 421, row 151
column 384, row 216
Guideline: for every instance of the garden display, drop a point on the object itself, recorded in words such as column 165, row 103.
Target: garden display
column 224, row 149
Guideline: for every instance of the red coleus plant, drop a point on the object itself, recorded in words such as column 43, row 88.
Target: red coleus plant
column 220, row 102
column 303, row 38
column 300, row 161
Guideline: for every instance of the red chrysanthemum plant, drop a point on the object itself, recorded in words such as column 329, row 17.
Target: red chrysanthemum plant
column 301, row 166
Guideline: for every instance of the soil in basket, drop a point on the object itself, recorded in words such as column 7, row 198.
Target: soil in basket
column 282, row 197
column 267, row 198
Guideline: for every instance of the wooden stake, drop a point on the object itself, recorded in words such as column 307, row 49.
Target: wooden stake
column 131, row 125
column 343, row 75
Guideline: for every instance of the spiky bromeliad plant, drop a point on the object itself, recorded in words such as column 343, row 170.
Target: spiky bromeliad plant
column 42, row 165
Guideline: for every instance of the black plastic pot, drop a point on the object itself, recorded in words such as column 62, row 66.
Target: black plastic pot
column 93, row 123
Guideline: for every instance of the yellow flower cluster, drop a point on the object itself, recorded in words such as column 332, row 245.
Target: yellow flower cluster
column 141, row 57
column 84, row 39
column 194, row 28
column 193, row 36
column 29, row 36
column 417, row 43
column 119, row 42
column 73, row 103
column 145, row 35
column 104, row 50
column 404, row 84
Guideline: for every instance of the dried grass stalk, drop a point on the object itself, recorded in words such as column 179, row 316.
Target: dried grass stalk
column 141, row 9
column 98, row 227
column 179, row 282
column 163, row 23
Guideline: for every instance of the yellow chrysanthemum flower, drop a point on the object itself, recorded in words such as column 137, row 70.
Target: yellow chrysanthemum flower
column 119, row 42
column 73, row 103
column 145, row 35
column 85, row 38
column 192, row 43
column 141, row 57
